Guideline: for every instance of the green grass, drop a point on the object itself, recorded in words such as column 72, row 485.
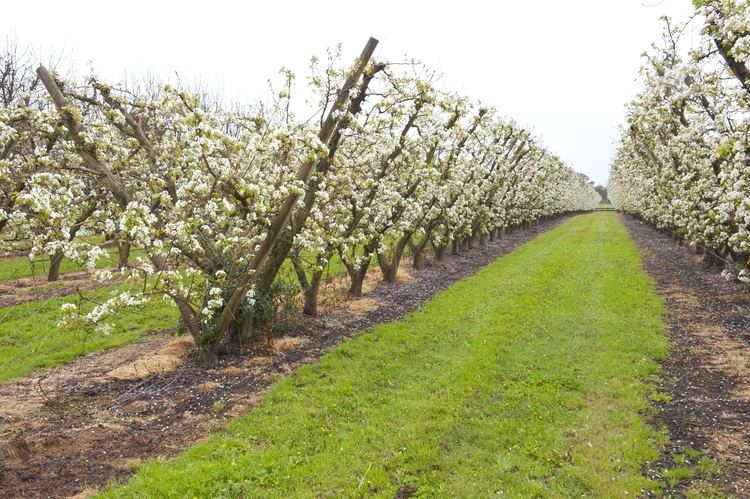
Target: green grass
column 30, row 339
column 694, row 475
column 18, row 267
column 525, row 380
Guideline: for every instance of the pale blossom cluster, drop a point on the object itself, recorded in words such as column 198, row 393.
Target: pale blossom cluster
column 388, row 164
column 420, row 170
column 684, row 160
column 96, row 318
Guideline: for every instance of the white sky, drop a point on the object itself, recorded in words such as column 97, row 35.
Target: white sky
column 565, row 68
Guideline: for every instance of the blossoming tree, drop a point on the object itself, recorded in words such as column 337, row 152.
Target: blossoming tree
column 218, row 201
column 684, row 159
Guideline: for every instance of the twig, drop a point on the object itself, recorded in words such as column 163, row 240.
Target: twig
column 362, row 480
column 698, row 423
column 41, row 390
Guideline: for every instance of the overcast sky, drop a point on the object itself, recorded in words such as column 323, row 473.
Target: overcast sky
column 565, row 69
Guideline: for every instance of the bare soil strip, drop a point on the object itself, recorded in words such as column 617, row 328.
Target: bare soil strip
column 83, row 424
column 707, row 373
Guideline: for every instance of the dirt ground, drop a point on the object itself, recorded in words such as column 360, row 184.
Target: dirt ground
column 707, row 373
column 78, row 427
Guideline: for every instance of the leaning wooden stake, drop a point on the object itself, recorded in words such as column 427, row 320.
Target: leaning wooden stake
column 85, row 150
column 88, row 153
column 304, row 173
column 281, row 219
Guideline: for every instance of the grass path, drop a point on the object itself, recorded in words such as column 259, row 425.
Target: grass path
column 525, row 380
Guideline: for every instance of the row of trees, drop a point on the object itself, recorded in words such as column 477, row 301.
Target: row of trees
column 684, row 159
column 219, row 199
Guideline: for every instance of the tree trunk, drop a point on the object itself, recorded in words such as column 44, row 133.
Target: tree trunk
column 240, row 333
column 709, row 260
column 54, row 267
column 417, row 253
column 209, row 357
column 439, row 251
column 454, row 247
column 739, row 68
column 123, row 254
column 739, row 259
column 310, row 307
column 299, row 269
column 418, row 257
column 388, row 267
column 389, row 263
column 358, row 278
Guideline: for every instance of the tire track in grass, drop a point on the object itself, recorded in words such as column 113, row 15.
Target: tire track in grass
column 523, row 380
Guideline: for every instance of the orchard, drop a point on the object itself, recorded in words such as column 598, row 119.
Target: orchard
column 359, row 281
column 218, row 200
column 684, row 159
